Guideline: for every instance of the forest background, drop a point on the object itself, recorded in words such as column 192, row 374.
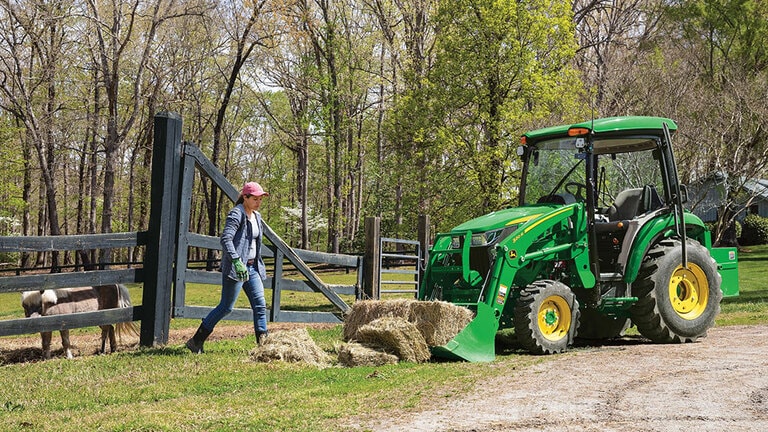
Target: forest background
column 345, row 109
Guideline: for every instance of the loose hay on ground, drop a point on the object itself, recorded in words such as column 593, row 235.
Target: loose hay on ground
column 396, row 335
column 290, row 346
column 437, row 321
column 353, row 354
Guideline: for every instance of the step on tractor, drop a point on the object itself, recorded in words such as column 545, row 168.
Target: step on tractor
column 600, row 241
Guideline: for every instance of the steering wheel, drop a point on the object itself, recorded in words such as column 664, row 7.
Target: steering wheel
column 579, row 187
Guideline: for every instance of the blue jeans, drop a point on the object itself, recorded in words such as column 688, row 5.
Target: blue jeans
column 230, row 289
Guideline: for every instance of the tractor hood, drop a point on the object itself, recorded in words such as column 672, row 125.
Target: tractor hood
column 504, row 218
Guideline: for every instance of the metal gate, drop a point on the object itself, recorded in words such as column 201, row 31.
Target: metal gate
column 405, row 259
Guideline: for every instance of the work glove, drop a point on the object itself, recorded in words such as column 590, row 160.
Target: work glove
column 242, row 272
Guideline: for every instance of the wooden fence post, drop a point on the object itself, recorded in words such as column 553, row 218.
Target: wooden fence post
column 277, row 291
column 163, row 229
column 372, row 258
column 424, row 242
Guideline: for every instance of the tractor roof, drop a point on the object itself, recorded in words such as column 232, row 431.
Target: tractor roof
column 606, row 126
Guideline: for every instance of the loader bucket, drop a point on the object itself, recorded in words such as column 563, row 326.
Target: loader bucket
column 476, row 342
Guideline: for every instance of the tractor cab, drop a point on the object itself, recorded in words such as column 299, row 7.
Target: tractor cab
column 623, row 179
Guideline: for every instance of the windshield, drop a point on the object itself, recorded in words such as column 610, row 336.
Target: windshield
column 557, row 169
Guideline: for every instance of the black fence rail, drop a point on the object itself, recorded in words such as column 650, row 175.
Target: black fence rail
column 164, row 272
column 41, row 281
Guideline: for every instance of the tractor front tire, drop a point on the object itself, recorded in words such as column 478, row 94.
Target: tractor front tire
column 546, row 317
column 676, row 304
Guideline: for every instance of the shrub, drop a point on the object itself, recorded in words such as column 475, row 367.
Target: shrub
column 754, row 230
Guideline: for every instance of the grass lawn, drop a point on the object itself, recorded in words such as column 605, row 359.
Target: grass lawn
column 168, row 389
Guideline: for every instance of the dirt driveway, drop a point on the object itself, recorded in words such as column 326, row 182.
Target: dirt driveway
column 718, row 384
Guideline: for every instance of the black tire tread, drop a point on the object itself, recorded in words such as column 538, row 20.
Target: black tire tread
column 647, row 315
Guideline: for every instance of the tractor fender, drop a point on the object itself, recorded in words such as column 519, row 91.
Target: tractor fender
column 646, row 231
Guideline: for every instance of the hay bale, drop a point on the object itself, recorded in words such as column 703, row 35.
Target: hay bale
column 437, row 321
column 353, row 354
column 396, row 335
column 291, row 346
column 365, row 311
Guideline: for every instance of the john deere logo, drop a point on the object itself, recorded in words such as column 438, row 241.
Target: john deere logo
column 512, row 254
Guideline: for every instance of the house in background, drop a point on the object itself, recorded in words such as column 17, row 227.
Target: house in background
column 708, row 196
column 758, row 189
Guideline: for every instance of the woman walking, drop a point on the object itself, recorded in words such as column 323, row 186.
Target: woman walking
column 241, row 266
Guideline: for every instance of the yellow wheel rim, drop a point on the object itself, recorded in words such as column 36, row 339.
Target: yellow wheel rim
column 689, row 291
column 554, row 318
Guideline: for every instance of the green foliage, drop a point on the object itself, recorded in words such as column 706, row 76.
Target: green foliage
column 500, row 65
column 735, row 31
column 754, row 230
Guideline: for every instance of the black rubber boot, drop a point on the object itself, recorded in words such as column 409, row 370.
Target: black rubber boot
column 195, row 343
column 261, row 338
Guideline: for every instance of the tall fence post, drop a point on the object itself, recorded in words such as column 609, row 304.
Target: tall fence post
column 424, row 241
column 162, row 232
column 372, row 258
column 277, row 291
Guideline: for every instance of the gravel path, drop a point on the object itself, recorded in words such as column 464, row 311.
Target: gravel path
column 718, row 384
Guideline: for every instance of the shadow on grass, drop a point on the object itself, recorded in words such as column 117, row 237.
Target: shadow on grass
column 748, row 297
column 166, row 351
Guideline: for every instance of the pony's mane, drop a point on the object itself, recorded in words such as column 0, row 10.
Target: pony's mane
column 29, row 298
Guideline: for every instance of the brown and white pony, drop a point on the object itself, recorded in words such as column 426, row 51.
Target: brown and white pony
column 73, row 300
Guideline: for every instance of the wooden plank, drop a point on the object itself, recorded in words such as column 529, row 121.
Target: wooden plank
column 277, row 285
column 372, row 258
column 69, row 321
column 307, row 272
column 309, row 317
column 70, row 280
column 203, row 241
column 72, row 242
column 210, row 170
column 199, row 312
column 182, row 244
column 163, row 234
column 214, row 278
column 202, row 277
column 209, row 242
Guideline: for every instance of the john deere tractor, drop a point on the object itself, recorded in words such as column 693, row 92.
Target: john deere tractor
column 600, row 241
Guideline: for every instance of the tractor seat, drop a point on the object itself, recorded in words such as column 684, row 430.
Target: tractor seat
column 634, row 202
column 627, row 205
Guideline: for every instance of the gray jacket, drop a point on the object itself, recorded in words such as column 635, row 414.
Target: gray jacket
column 236, row 240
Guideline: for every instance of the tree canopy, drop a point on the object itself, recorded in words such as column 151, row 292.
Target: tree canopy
column 351, row 108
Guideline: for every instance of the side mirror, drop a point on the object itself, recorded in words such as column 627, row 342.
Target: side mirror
column 683, row 194
column 520, row 150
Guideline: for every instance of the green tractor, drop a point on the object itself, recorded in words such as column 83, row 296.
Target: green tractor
column 600, row 241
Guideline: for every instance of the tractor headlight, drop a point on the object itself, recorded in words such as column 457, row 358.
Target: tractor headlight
column 490, row 237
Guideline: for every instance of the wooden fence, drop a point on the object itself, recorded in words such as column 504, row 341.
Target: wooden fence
column 164, row 273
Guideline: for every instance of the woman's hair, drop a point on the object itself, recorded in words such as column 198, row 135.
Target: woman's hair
column 240, row 199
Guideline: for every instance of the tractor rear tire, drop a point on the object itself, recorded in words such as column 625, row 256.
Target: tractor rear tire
column 676, row 304
column 546, row 317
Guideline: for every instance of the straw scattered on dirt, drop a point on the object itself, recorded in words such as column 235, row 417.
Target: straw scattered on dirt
column 353, row 354
column 291, row 346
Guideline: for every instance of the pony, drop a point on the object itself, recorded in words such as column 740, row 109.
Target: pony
column 73, row 300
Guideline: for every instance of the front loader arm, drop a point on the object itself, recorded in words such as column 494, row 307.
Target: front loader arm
column 559, row 235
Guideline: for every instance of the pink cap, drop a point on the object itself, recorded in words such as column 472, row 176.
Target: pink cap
column 253, row 188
